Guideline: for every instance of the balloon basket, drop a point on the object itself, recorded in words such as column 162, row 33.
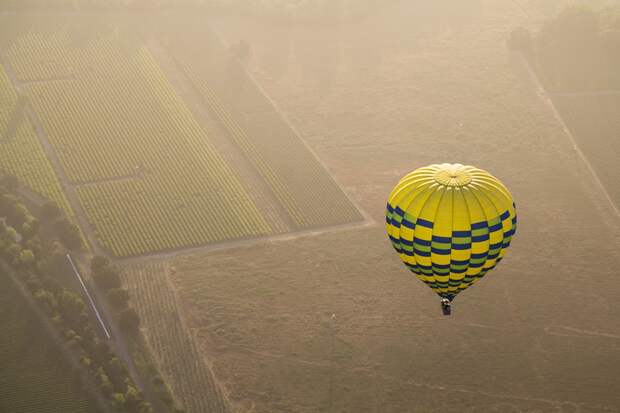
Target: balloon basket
column 446, row 309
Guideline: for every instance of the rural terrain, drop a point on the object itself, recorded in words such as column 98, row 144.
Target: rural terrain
column 241, row 190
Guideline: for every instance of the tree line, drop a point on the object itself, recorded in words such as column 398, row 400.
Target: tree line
column 35, row 260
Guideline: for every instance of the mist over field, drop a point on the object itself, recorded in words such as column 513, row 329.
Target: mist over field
column 263, row 206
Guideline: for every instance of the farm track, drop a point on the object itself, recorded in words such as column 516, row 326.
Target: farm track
column 224, row 245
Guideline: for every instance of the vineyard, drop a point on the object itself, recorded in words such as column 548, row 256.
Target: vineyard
column 138, row 161
column 33, row 379
column 21, row 153
column 145, row 172
column 300, row 183
column 594, row 121
column 178, row 357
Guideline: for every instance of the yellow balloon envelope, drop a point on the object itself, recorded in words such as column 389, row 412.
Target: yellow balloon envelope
column 451, row 225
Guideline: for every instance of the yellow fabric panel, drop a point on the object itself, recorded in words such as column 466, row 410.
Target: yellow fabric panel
column 461, row 217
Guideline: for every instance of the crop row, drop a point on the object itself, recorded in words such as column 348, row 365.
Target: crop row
column 45, row 55
column 300, row 183
column 179, row 359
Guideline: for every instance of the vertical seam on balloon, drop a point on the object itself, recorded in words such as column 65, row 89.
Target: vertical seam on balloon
column 456, row 291
column 469, row 223
column 470, row 228
column 487, row 219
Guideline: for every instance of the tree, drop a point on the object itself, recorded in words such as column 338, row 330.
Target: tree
column 118, row 297
column 129, row 320
column 50, row 211
column 30, row 228
column 86, row 362
column 117, row 371
column 34, row 244
column 132, row 397
column 68, row 233
column 47, row 301
column 13, row 252
column 10, row 234
column 18, row 215
column 26, row 259
column 72, row 309
column 98, row 262
column 7, row 202
column 118, row 399
column 107, row 278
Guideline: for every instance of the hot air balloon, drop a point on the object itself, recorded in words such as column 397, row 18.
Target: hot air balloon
column 451, row 225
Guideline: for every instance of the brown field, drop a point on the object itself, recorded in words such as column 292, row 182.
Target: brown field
column 334, row 322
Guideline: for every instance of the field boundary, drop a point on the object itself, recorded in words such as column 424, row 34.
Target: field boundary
column 247, row 242
column 288, row 123
column 546, row 97
column 249, row 178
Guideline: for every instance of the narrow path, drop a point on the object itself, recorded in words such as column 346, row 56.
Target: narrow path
column 224, row 245
column 256, row 187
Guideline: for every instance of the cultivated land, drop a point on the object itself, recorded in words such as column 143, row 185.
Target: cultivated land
column 34, row 378
column 21, row 153
column 144, row 173
column 178, row 357
column 334, row 322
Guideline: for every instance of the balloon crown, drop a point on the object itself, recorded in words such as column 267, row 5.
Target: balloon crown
column 452, row 175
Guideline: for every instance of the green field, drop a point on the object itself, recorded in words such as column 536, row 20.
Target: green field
column 145, row 172
column 34, row 379
column 21, row 153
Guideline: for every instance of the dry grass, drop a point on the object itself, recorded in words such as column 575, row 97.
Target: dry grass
column 404, row 89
